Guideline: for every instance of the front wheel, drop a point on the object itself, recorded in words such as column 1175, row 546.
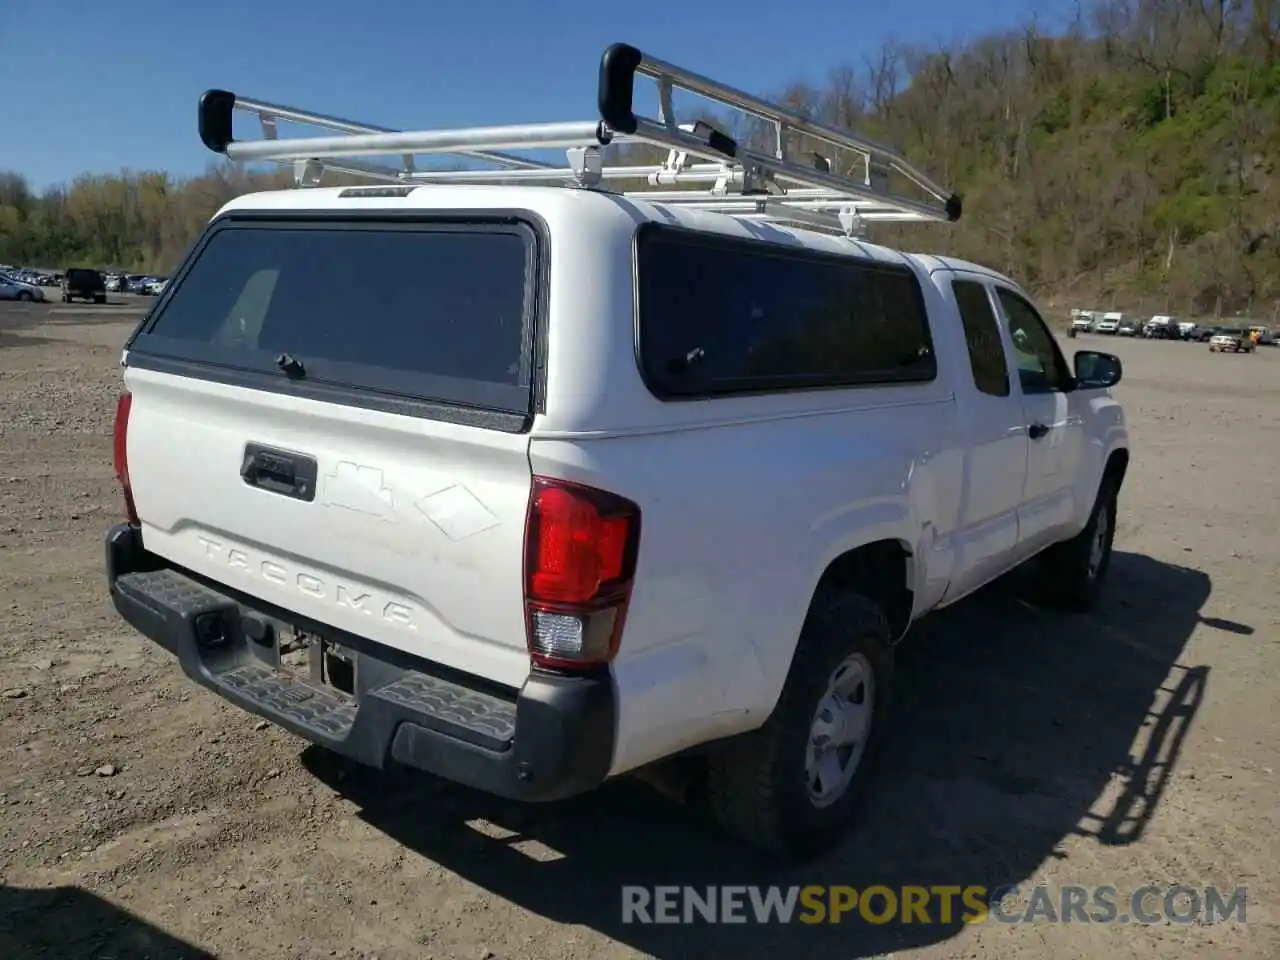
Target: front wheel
column 25, row 296
column 1073, row 571
column 792, row 787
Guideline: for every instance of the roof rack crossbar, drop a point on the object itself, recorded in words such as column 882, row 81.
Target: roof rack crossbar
column 705, row 167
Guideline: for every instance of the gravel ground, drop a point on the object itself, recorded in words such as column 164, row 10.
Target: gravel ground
column 142, row 816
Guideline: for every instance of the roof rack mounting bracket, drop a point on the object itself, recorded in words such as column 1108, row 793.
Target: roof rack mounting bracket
column 675, row 163
column 781, row 130
column 853, row 226
column 587, row 165
column 307, row 173
column 839, row 190
column 756, row 180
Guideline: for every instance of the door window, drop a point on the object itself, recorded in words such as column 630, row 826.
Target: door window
column 982, row 336
column 1041, row 366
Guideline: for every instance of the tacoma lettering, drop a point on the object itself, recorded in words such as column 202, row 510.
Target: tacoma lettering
column 340, row 594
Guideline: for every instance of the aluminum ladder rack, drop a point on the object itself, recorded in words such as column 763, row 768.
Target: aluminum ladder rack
column 705, row 168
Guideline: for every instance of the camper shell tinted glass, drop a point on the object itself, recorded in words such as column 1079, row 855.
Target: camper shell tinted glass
column 431, row 310
column 722, row 316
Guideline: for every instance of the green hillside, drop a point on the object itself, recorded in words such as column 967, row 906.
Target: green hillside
column 1130, row 161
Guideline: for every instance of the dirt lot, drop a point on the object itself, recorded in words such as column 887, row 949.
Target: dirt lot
column 143, row 817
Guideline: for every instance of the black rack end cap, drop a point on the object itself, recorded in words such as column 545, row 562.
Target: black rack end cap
column 617, row 86
column 954, row 207
column 216, row 109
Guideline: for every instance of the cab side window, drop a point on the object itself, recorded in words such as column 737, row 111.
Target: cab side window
column 982, row 336
column 1041, row 366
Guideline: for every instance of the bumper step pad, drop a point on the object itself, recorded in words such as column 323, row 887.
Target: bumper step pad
column 193, row 614
column 408, row 711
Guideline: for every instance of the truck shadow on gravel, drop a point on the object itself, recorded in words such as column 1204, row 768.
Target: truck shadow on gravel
column 1015, row 730
column 66, row 923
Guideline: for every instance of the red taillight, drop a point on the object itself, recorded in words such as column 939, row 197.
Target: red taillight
column 120, row 453
column 580, row 558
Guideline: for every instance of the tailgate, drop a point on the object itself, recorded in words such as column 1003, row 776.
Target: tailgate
column 353, row 450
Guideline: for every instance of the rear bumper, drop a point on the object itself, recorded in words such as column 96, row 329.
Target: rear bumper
column 552, row 739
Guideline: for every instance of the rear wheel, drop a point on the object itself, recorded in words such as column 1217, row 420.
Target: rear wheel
column 792, row 787
column 25, row 296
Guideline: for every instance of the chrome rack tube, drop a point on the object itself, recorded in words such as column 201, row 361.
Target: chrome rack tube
column 697, row 153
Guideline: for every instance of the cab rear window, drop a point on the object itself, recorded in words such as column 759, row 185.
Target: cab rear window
column 430, row 311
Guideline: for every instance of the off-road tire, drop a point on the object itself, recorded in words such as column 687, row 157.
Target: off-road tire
column 1067, row 579
column 756, row 784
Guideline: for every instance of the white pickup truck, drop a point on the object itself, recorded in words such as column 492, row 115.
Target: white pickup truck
column 591, row 480
column 1110, row 323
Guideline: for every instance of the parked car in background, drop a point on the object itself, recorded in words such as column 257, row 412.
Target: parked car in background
column 1230, row 340
column 1161, row 327
column 80, row 283
column 1082, row 321
column 36, row 278
column 1109, row 324
column 1127, row 328
column 11, row 288
column 145, row 285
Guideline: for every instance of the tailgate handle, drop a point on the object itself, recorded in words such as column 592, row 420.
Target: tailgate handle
column 279, row 471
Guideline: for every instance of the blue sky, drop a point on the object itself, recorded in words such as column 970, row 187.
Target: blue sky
column 93, row 86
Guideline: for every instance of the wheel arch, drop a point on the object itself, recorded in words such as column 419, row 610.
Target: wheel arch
column 883, row 571
column 1117, row 465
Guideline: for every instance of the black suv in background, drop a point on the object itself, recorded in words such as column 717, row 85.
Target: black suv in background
column 79, row 283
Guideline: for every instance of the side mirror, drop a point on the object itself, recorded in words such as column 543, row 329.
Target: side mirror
column 1096, row 370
